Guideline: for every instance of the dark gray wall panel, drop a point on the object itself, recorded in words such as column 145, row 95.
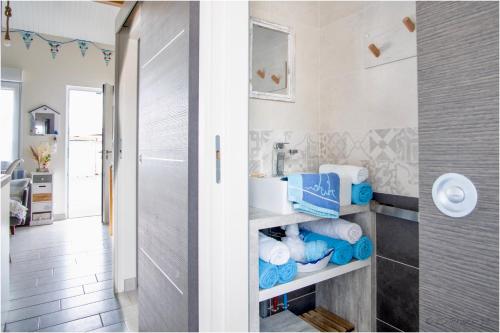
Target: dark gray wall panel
column 167, row 186
column 458, row 132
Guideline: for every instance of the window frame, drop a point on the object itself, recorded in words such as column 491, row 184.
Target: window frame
column 17, row 140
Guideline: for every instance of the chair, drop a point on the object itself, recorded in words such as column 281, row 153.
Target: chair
column 19, row 191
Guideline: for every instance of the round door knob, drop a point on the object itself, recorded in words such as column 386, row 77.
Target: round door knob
column 454, row 195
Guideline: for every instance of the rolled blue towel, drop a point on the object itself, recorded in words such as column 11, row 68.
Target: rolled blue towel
column 268, row 275
column 361, row 193
column 287, row 272
column 342, row 250
column 363, row 248
column 315, row 250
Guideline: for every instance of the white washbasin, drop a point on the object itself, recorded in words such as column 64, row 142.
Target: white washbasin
column 269, row 193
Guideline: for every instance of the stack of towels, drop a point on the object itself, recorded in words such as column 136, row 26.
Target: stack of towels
column 307, row 243
column 361, row 191
column 275, row 264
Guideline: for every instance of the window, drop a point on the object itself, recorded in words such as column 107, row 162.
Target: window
column 9, row 121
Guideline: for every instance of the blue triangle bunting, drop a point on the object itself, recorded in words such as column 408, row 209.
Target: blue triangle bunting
column 54, row 48
column 107, row 56
column 84, row 46
column 27, row 38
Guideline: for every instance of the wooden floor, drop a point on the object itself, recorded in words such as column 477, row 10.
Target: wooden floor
column 60, row 280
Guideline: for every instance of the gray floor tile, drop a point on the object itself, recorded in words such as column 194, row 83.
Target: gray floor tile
column 90, row 288
column 28, row 325
column 112, row 317
column 80, row 325
column 104, row 276
column 81, row 269
column 50, row 287
column 67, row 315
column 22, row 284
column 32, row 311
column 37, row 274
column 120, row 327
column 26, row 267
column 44, row 298
column 87, row 298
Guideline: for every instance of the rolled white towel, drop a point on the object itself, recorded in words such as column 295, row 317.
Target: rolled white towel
column 296, row 246
column 357, row 174
column 292, row 230
column 273, row 251
column 338, row 228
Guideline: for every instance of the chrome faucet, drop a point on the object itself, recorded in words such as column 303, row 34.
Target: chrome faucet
column 279, row 159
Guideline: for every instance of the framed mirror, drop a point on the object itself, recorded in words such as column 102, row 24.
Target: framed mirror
column 44, row 121
column 272, row 63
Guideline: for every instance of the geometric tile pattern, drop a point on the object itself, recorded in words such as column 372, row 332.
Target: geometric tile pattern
column 391, row 154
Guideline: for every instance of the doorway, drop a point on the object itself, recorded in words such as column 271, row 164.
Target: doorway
column 85, row 126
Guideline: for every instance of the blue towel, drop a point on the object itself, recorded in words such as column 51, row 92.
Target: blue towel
column 287, row 272
column 315, row 250
column 315, row 194
column 342, row 250
column 361, row 193
column 363, row 248
column 268, row 275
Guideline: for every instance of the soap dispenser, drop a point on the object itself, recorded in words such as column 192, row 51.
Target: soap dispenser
column 279, row 159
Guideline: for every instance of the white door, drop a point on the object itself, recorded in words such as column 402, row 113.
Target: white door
column 107, row 153
column 84, row 151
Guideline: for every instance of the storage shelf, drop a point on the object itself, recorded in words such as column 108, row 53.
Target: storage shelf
column 285, row 322
column 263, row 219
column 306, row 279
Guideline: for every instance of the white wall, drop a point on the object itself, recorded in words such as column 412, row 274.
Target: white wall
column 303, row 18
column 45, row 81
column 354, row 97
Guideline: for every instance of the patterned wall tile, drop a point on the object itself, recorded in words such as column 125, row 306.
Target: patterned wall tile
column 391, row 155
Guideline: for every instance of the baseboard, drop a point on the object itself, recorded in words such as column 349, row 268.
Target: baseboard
column 130, row 284
column 59, row 217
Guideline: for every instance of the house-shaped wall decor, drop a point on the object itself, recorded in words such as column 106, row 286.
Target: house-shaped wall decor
column 44, row 121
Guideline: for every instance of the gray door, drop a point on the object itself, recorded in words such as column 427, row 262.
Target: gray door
column 167, row 174
column 458, row 132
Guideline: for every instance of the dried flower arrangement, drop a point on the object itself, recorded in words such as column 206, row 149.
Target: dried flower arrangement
column 42, row 155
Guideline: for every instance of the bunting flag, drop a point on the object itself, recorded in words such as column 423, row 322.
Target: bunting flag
column 27, row 38
column 55, row 46
column 107, row 56
column 84, row 46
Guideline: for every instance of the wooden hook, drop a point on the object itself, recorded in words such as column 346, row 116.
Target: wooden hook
column 261, row 73
column 276, row 79
column 374, row 49
column 409, row 24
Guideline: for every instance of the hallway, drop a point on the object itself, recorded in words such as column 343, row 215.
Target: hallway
column 61, row 280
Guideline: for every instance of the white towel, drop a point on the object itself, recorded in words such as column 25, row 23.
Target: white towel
column 273, row 251
column 296, row 246
column 338, row 228
column 357, row 174
column 292, row 230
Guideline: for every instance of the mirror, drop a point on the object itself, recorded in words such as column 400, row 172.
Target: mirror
column 44, row 121
column 272, row 61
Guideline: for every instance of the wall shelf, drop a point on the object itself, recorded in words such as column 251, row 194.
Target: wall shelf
column 352, row 296
column 306, row 279
column 263, row 219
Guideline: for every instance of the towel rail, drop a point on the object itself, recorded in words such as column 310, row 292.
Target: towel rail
column 400, row 213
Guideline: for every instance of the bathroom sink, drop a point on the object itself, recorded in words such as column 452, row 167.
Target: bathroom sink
column 269, row 193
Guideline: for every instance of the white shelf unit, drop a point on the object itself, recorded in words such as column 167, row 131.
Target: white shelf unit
column 357, row 289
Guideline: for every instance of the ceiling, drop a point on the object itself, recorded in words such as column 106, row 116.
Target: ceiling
column 87, row 20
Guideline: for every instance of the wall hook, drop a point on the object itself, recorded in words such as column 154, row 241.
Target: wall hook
column 261, row 73
column 375, row 50
column 409, row 24
column 276, row 79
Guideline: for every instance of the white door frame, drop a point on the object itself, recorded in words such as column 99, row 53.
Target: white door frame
column 66, row 141
column 223, row 207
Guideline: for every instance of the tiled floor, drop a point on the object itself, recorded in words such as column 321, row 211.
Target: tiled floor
column 60, row 280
